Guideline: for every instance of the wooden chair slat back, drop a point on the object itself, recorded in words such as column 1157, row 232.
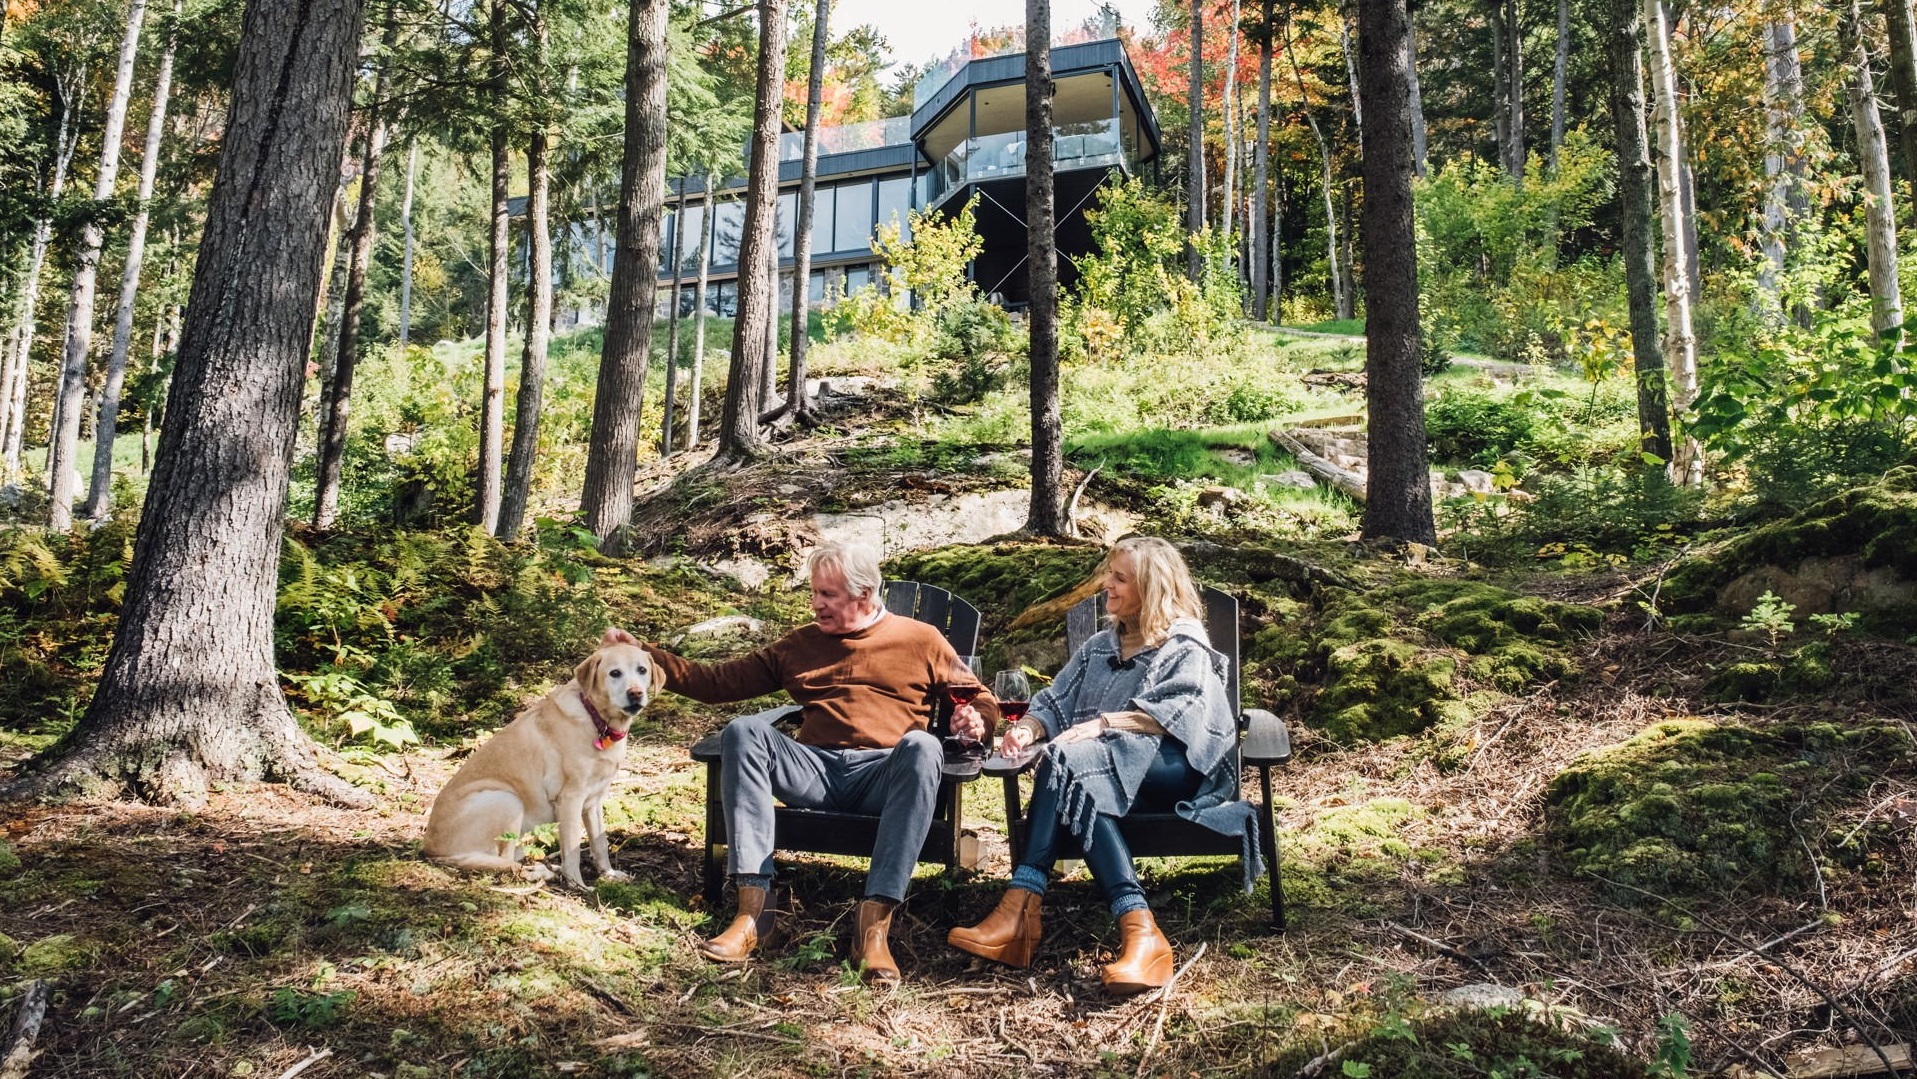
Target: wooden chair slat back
column 938, row 608
column 1087, row 616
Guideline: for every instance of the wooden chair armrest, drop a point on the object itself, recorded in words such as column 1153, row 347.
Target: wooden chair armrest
column 999, row 767
column 707, row 749
column 1267, row 740
column 963, row 769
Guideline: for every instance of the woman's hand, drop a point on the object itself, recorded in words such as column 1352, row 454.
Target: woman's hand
column 1083, row 732
column 1014, row 741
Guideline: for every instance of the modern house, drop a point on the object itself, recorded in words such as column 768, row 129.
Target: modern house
column 965, row 137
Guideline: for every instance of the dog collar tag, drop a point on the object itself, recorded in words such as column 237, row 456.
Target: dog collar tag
column 608, row 736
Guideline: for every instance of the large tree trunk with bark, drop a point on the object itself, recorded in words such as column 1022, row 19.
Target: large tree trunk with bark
column 1194, row 132
column 71, row 397
column 492, row 394
column 1873, row 153
column 1637, row 183
column 1786, row 197
column 336, row 403
column 189, row 695
column 106, row 427
column 1680, row 340
column 532, row 358
column 739, row 437
column 1398, row 482
column 612, row 456
column 1507, row 34
column 1047, row 514
column 70, row 91
column 1260, row 240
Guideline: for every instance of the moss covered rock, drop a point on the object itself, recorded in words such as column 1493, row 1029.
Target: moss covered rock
column 51, row 955
column 1692, row 807
column 1854, row 552
column 1003, row 579
column 9, row 861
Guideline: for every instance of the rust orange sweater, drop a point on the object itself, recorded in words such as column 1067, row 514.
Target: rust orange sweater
column 864, row 689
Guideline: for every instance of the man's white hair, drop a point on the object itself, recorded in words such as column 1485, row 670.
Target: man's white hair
column 857, row 563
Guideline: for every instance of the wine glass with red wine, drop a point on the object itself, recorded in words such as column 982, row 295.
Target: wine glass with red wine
column 961, row 688
column 1014, row 693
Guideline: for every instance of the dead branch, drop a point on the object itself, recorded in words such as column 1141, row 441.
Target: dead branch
column 26, row 1027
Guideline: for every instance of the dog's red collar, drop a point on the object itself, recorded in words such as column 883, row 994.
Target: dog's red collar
column 608, row 737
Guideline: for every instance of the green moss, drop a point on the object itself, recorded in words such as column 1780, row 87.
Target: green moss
column 1383, row 688
column 9, row 950
column 1487, row 1042
column 1692, row 807
column 51, row 955
column 1345, row 851
column 1748, row 680
column 1003, row 579
column 9, row 861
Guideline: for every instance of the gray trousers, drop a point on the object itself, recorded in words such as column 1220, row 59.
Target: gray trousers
column 900, row 785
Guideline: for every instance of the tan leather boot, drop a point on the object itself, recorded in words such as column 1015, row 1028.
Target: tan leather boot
column 752, row 925
column 1008, row 935
column 1144, row 956
column 869, row 944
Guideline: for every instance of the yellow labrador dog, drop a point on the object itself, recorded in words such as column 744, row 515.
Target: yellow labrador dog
column 554, row 762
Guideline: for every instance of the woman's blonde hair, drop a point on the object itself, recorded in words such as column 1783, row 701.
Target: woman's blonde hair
column 1166, row 591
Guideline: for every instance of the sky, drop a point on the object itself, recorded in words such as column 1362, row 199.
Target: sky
column 921, row 30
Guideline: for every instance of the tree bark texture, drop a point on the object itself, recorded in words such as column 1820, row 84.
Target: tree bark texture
column 13, row 387
column 406, row 246
column 1637, row 185
column 71, row 397
column 336, row 404
column 1901, row 23
column 1261, row 177
column 739, row 437
column 695, row 385
column 1419, row 143
column 1046, row 516
column 189, row 694
column 802, row 235
column 1194, row 132
column 106, row 427
column 1351, row 68
column 669, row 420
column 1680, row 340
column 1786, row 198
column 1873, row 152
column 492, row 394
column 1560, row 66
column 1398, row 481
column 1230, row 199
column 532, row 357
column 612, row 456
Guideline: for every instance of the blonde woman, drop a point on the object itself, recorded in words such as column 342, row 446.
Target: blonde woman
column 1138, row 717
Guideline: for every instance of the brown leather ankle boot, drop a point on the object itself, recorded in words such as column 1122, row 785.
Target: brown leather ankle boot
column 1144, row 957
column 1008, row 935
column 869, row 944
column 749, row 927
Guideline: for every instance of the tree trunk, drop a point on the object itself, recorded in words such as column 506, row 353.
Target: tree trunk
column 492, row 400
column 189, row 695
column 1873, row 152
column 1260, row 240
column 1341, row 303
column 672, row 325
column 1046, row 516
column 612, row 456
column 1351, row 69
column 802, row 235
column 1194, row 132
column 1231, row 117
column 1560, row 66
column 695, row 387
column 532, row 358
column 106, row 427
column 1785, row 197
column 336, row 404
column 1418, row 140
column 71, row 396
column 13, row 388
column 1901, row 22
column 1637, row 181
column 1507, row 31
column 1680, row 341
column 406, row 247
column 1398, row 480
column 739, row 437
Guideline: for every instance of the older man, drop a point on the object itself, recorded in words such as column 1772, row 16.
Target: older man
column 866, row 682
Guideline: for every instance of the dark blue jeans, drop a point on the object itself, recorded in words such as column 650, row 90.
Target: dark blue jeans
column 1170, row 780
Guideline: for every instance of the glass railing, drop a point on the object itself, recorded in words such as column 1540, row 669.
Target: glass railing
column 991, row 157
column 1102, row 24
column 891, row 131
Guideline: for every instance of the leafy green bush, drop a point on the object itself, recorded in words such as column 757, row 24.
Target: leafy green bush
column 1476, row 428
column 976, row 341
column 1624, row 509
column 1134, row 295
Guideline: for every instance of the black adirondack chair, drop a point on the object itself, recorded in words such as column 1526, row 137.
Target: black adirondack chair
column 1264, row 743
column 819, row 831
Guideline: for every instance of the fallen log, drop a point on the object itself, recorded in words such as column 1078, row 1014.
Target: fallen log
column 26, row 1027
column 1342, row 479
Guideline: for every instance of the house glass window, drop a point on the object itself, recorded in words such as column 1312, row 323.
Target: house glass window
column 852, row 225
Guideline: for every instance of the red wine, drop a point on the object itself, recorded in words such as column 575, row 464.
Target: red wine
column 1013, row 711
column 962, row 694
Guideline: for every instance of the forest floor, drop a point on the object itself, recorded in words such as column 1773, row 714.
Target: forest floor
column 266, row 934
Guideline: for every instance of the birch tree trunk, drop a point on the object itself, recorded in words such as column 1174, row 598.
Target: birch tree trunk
column 612, row 457
column 1398, row 481
column 1560, row 66
column 1680, row 341
column 1351, row 69
column 532, row 357
column 1260, row 230
column 71, row 397
column 672, row 325
column 1880, row 219
column 13, row 388
column 1418, row 142
column 1637, row 183
column 1046, row 516
column 492, row 397
column 336, row 403
column 406, row 247
column 1785, row 197
column 106, row 427
column 1231, row 118
column 695, row 388
column 802, row 229
column 1341, row 303
column 739, row 437
column 189, row 694
column 1194, row 134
